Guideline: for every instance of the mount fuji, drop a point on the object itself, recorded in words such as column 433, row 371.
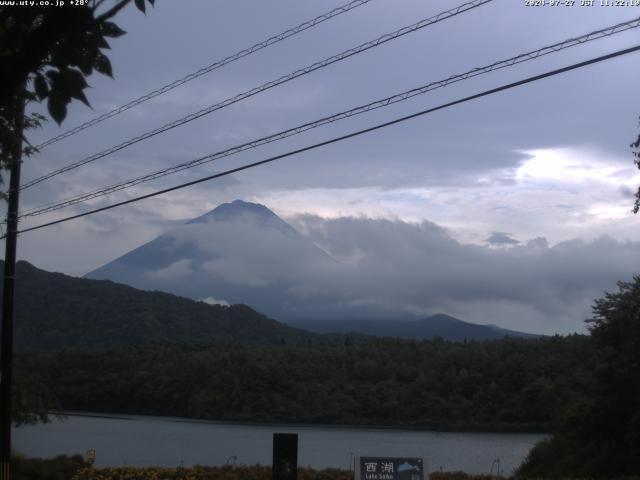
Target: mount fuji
column 239, row 252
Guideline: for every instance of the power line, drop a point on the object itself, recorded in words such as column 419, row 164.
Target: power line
column 209, row 68
column 598, row 34
column 249, row 93
column 344, row 137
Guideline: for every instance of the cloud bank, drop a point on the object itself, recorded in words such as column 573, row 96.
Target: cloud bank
column 420, row 268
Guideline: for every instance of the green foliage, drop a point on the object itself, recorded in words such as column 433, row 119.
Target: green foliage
column 459, row 476
column 32, row 400
column 255, row 472
column 600, row 436
column 55, row 49
column 493, row 385
column 60, row 468
column 47, row 54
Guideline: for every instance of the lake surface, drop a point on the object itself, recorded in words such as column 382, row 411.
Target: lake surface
column 169, row 442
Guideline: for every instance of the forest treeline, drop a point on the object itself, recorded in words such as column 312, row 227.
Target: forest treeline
column 509, row 384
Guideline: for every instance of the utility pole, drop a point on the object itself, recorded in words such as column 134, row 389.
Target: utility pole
column 6, row 340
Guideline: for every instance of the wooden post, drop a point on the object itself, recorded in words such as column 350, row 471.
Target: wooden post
column 6, row 340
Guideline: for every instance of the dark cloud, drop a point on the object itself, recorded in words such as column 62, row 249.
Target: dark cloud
column 445, row 147
column 501, row 239
column 626, row 192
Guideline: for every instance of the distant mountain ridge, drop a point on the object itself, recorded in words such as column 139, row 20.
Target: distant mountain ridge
column 439, row 325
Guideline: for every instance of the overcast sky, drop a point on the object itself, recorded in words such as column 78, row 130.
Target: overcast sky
column 549, row 160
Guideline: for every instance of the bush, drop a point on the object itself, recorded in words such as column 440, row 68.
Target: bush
column 459, row 476
column 62, row 467
column 203, row 473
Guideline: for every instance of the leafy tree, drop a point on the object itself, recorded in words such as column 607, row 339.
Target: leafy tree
column 47, row 53
column 33, row 401
column 615, row 416
column 601, row 437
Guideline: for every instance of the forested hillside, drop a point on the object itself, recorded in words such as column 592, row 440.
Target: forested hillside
column 501, row 385
column 55, row 310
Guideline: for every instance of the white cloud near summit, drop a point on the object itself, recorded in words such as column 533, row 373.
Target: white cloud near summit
column 177, row 269
column 215, row 301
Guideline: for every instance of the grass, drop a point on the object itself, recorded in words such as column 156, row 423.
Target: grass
column 75, row 468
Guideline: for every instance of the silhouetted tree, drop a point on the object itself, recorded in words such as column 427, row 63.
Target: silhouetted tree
column 46, row 53
column 601, row 437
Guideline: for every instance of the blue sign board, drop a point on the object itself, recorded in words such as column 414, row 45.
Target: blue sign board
column 390, row 468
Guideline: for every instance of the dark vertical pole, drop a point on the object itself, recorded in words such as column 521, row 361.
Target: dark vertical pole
column 6, row 356
column 285, row 456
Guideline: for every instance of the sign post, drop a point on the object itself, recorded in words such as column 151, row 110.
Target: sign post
column 389, row 468
column 285, row 456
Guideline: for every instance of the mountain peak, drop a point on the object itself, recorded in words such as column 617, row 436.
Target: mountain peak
column 229, row 211
column 239, row 252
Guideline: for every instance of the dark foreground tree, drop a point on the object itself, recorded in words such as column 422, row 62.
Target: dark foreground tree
column 46, row 53
column 601, row 439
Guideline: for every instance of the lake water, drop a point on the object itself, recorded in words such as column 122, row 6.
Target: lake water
column 146, row 441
